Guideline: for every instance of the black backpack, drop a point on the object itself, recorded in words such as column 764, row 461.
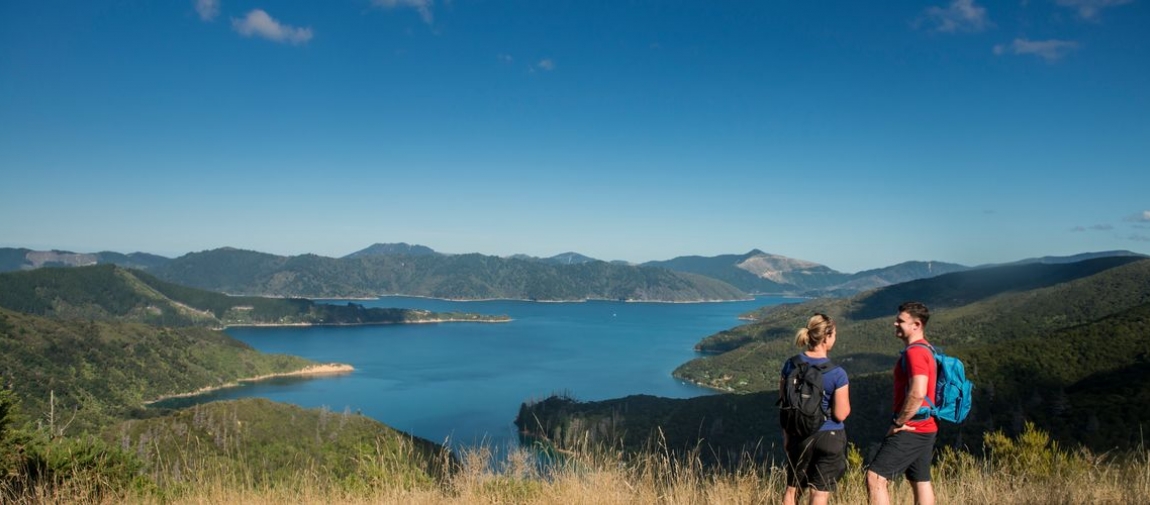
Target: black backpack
column 801, row 412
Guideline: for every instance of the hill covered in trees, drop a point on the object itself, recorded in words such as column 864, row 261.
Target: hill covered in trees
column 108, row 292
column 465, row 276
column 89, row 373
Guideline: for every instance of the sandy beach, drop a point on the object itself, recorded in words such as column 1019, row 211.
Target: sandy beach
column 311, row 371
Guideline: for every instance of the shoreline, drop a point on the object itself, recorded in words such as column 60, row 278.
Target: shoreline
column 580, row 300
column 380, row 323
column 309, row 371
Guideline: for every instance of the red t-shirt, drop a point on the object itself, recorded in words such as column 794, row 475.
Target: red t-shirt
column 919, row 361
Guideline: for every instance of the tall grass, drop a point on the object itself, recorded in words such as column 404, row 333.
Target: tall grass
column 1027, row 469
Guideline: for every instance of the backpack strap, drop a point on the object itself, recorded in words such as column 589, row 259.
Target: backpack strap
column 824, row 367
column 923, row 411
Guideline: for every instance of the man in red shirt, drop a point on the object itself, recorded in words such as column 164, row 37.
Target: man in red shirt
column 909, row 442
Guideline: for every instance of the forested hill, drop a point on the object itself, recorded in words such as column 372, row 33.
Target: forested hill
column 101, row 371
column 108, row 292
column 1066, row 347
column 466, row 276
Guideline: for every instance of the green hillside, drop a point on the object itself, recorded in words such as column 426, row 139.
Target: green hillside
column 261, row 442
column 972, row 307
column 100, row 371
column 108, row 292
column 1066, row 347
column 466, row 276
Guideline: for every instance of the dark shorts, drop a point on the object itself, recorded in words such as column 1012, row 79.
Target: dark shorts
column 907, row 453
column 818, row 461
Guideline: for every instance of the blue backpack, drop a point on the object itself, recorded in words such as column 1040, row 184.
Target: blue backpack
column 952, row 391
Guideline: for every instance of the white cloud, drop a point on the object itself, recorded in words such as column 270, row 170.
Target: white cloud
column 258, row 23
column 207, row 9
column 959, row 16
column 1050, row 50
column 1140, row 238
column 1144, row 217
column 505, row 58
column 423, row 6
column 1102, row 227
column 1089, row 9
column 547, row 64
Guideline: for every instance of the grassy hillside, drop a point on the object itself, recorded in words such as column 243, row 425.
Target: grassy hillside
column 260, row 442
column 466, row 276
column 100, row 371
column 972, row 307
column 108, row 292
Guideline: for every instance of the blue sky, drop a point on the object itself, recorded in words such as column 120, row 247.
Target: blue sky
column 852, row 134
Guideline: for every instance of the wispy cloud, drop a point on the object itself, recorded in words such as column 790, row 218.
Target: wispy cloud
column 959, row 16
column 207, row 9
column 1097, row 227
column 422, row 6
column 1089, row 9
column 505, row 58
column 1050, row 50
column 1140, row 238
column 259, row 24
column 546, row 64
column 1144, row 217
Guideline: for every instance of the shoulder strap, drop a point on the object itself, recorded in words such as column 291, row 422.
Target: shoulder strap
column 902, row 359
column 824, row 367
column 902, row 353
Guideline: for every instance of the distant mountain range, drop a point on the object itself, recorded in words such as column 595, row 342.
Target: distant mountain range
column 408, row 269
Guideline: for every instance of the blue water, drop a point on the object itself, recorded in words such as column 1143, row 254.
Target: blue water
column 462, row 383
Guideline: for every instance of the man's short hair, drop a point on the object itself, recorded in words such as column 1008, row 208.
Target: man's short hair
column 916, row 310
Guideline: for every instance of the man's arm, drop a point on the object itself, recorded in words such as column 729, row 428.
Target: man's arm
column 913, row 401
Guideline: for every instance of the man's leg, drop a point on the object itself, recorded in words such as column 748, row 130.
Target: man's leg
column 876, row 489
column 820, row 497
column 923, row 493
column 791, row 496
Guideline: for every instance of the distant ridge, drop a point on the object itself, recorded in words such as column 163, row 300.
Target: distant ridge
column 1075, row 257
column 12, row 259
column 760, row 272
column 449, row 276
column 567, row 258
column 392, row 250
column 894, row 274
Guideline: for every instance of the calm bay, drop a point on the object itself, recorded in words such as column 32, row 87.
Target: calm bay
column 462, row 383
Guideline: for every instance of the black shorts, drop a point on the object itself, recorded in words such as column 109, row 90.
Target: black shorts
column 905, row 452
column 818, row 461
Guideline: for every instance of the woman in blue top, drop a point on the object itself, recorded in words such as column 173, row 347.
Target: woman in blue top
column 819, row 461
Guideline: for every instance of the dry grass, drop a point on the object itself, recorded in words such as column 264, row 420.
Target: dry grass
column 606, row 478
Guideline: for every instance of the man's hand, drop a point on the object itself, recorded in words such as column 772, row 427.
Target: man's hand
column 895, row 428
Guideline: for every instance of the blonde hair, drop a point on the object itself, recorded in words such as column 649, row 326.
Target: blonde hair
column 819, row 327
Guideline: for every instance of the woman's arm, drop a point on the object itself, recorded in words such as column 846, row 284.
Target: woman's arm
column 842, row 406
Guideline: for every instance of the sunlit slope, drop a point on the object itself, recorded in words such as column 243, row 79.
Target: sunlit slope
column 99, row 371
